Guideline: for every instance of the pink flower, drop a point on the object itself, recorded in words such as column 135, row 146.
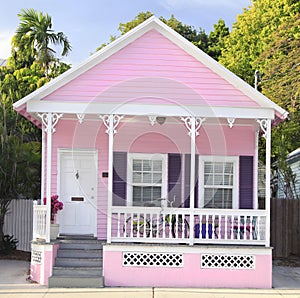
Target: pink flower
column 56, row 205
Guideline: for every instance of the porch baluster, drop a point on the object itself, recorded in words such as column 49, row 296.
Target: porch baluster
column 131, row 225
column 238, row 227
column 215, row 228
column 251, row 227
column 118, row 224
column 259, row 228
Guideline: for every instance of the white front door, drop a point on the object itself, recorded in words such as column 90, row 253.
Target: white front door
column 78, row 192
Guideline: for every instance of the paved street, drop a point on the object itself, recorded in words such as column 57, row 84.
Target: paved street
column 14, row 283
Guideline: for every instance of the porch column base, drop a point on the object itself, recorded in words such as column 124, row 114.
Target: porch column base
column 42, row 260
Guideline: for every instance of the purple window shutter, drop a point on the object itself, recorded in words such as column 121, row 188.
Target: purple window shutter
column 119, row 178
column 246, row 182
column 187, row 174
column 174, row 178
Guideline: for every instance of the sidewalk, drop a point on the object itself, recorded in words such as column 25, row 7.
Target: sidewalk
column 13, row 284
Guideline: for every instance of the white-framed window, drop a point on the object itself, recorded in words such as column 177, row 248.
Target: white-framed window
column 218, row 182
column 147, row 179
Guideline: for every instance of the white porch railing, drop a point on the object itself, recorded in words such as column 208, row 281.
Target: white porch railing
column 39, row 222
column 172, row 225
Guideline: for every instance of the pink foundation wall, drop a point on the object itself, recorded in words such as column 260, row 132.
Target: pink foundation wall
column 190, row 275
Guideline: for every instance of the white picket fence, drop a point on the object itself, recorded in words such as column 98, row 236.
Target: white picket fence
column 18, row 222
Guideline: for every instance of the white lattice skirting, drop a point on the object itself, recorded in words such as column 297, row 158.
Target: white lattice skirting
column 211, row 261
column 139, row 259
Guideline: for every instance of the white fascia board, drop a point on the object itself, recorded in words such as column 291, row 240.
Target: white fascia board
column 150, row 109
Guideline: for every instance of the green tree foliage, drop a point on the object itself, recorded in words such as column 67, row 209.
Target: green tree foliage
column 216, row 39
column 35, row 35
column 31, row 65
column 266, row 37
column 281, row 80
column 19, row 160
column 210, row 44
column 252, row 33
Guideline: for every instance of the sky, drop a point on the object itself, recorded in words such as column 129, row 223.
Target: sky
column 90, row 23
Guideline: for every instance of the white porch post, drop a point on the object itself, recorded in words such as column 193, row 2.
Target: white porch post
column 265, row 126
column 49, row 121
column 193, row 124
column 255, row 172
column 43, row 165
column 111, row 122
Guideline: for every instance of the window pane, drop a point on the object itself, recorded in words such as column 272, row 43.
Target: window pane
column 137, row 194
column 208, row 198
column 137, row 165
column 208, row 179
column 228, row 168
column 137, row 177
column 156, row 192
column 218, row 198
column 147, row 165
column 147, row 191
column 208, row 167
column 157, row 178
column 227, row 198
column 157, row 165
column 218, row 167
column 228, row 179
column 218, row 180
column 147, row 178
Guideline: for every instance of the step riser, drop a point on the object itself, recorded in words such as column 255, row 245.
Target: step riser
column 67, row 262
column 79, row 253
column 75, row 282
column 80, row 246
column 77, row 272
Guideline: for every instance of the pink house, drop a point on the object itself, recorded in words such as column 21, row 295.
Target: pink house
column 153, row 148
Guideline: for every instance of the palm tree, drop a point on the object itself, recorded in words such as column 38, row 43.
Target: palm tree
column 35, row 31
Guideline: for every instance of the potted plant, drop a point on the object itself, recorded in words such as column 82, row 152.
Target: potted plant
column 56, row 205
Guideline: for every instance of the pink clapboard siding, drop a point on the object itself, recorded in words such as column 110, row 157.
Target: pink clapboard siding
column 173, row 138
column 152, row 69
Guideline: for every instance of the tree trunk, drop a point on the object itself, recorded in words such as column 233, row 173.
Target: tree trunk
column 1, row 233
column 4, row 204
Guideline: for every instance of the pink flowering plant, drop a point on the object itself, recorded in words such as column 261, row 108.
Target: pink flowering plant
column 56, row 205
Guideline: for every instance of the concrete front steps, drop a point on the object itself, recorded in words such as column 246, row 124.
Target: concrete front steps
column 78, row 263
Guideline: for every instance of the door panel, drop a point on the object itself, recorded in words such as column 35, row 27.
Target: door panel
column 78, row 191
